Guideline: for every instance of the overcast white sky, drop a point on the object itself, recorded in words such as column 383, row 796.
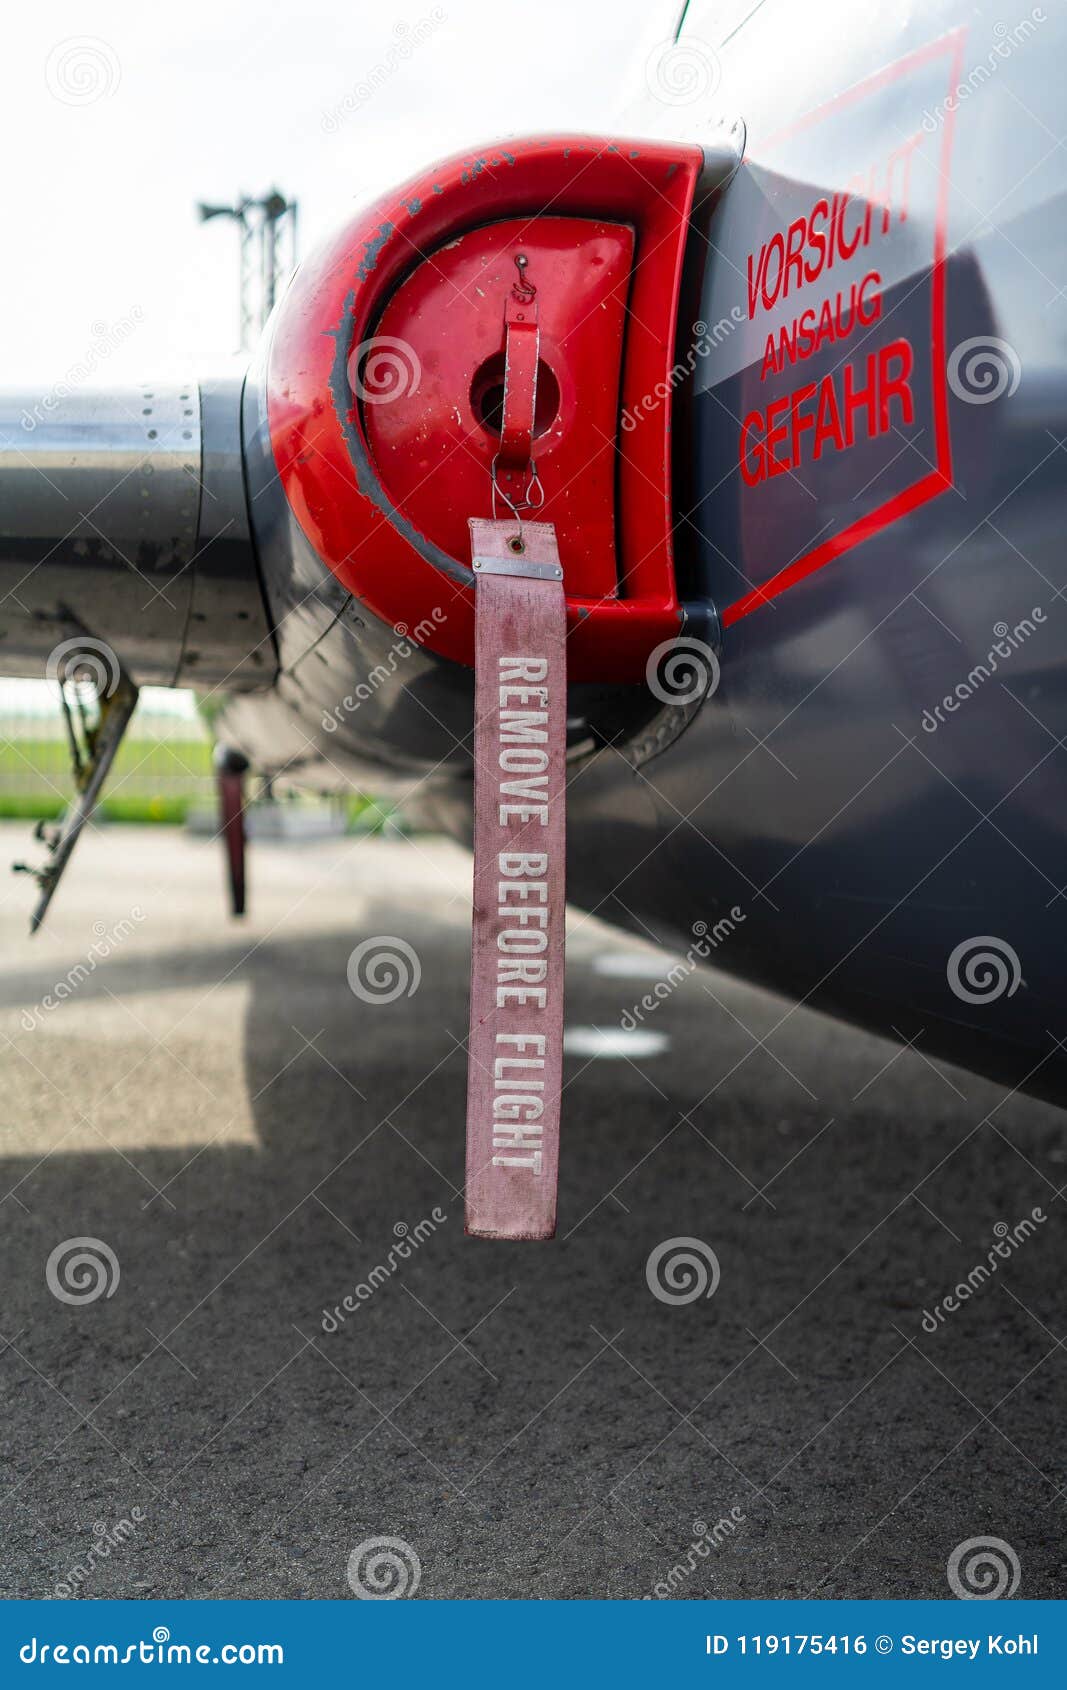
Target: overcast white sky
column 118, row 116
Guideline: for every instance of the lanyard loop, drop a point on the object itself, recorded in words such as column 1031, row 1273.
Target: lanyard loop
column 514, row 472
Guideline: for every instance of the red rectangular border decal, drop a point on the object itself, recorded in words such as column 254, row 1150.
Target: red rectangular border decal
column 939, row 479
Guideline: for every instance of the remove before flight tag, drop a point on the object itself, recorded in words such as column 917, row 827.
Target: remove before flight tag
column 515, row 1054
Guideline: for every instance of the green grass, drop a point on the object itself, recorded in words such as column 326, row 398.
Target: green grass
column 152, row 781
column 143, row 760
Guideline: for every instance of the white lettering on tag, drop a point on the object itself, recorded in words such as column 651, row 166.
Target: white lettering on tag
column 518, row 1145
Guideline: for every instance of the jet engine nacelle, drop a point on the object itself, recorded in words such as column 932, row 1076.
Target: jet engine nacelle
column 382, row 386
column 124, row 522
column 291, row 536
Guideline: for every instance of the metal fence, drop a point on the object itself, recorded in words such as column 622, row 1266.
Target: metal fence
column 163, row 767
column 162, row 773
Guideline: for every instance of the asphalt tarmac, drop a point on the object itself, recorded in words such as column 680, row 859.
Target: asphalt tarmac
column 245, row 1142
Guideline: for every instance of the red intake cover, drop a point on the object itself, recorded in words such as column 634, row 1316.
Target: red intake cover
column 384, row 381
column 433, row 447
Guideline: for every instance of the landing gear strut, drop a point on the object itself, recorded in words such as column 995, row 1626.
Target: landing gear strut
column 230, row 769
column 94, row 739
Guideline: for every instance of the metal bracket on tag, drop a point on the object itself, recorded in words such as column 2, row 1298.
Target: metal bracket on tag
column 519, row 566
column 516, row 548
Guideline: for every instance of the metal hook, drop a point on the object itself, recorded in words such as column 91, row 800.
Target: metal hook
column 523, row 289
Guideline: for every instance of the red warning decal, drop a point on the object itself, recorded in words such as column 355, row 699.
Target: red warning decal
column 839, row 403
